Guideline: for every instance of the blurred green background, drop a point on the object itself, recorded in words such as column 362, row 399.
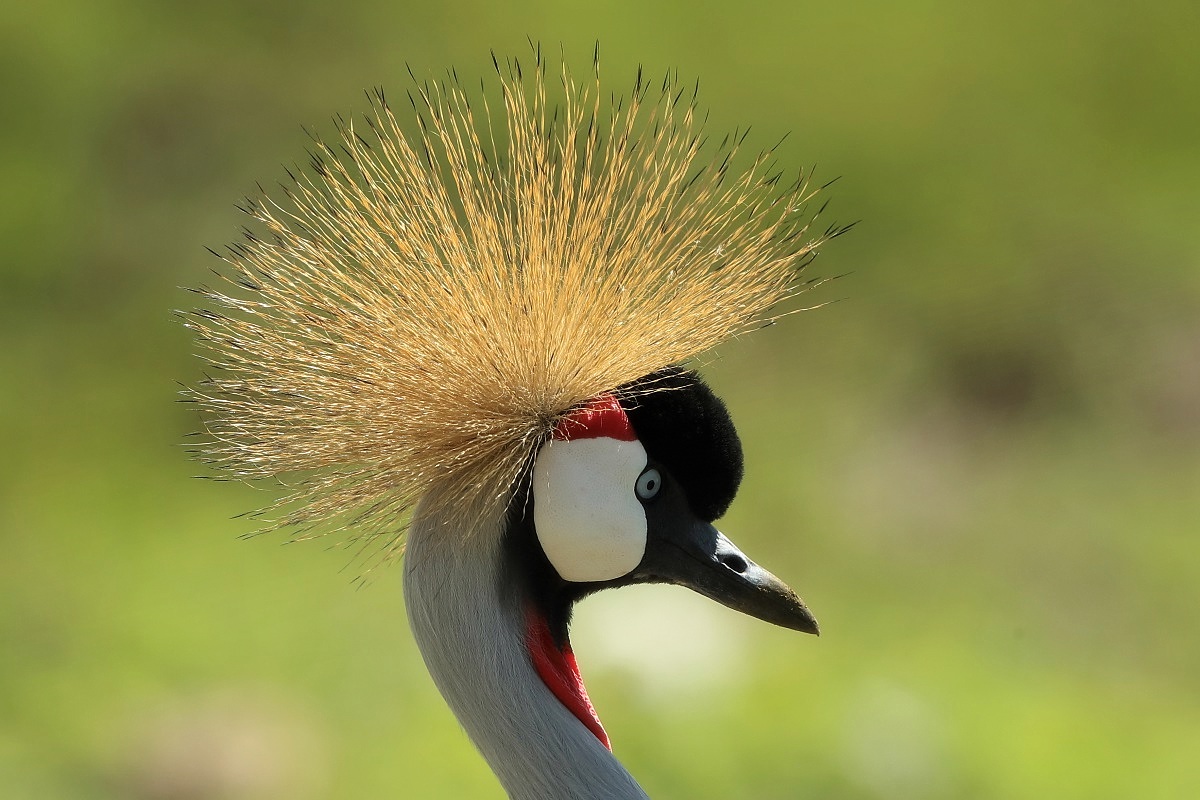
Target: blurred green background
column 981, row 468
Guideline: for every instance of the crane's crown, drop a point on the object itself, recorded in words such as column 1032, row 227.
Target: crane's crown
column 439, row 292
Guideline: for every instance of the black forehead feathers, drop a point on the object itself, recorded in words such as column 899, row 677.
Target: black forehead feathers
column 687, row 428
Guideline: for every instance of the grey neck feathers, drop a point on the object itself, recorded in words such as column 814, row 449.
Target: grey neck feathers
column 470, row 628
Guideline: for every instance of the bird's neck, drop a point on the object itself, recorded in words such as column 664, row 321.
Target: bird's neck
column 473, row 627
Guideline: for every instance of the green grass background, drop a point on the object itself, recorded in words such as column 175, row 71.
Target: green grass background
column 981, row 467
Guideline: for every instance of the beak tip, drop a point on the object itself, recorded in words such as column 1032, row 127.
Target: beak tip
column 803, row 620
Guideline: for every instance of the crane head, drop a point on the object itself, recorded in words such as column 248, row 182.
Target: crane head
column 626, row 492
column 452, row 308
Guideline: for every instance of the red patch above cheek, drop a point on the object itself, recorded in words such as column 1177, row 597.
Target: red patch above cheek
column 558, row 670
column 602, row 416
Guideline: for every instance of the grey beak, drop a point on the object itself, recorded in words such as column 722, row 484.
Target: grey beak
column 703, row 559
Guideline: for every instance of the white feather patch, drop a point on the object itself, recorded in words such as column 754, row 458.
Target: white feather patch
column 588, row 519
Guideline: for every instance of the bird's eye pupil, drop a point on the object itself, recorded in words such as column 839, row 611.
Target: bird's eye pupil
column 648, row 484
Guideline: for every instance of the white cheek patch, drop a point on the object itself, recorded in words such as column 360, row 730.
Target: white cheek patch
column 587, row 517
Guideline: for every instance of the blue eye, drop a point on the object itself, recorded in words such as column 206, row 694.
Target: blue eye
column 648, row 484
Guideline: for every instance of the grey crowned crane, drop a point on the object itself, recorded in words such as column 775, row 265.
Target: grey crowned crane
column 458, row 334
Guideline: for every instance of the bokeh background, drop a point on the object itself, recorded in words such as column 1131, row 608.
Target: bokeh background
column 981, row 466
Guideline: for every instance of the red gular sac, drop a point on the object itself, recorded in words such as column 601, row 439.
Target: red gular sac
column 558, row 670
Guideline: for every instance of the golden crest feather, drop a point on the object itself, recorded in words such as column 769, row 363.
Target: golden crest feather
column 428, row 298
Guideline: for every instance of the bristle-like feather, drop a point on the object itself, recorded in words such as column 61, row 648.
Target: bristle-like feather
column 421, row 307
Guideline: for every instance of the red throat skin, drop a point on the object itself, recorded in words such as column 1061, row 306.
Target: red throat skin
column 558, row 670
